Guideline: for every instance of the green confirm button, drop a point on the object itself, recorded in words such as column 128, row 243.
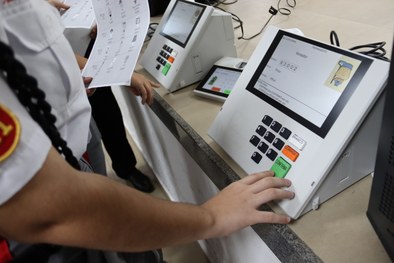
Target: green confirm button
column 280, row 167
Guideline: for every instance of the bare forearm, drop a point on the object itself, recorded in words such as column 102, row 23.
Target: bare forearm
column 96, row 212
column 123, row 219
column 63, row 206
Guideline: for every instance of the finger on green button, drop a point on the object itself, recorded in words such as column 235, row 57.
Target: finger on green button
column 281, row 167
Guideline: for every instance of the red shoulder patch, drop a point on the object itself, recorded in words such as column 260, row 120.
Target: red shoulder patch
column 9, row 132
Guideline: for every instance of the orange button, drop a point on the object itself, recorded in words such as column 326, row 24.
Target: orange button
column 290, row 153
column 171, row 59
column 215, row 89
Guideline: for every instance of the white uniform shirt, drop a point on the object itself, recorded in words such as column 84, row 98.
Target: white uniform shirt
column 34, row 31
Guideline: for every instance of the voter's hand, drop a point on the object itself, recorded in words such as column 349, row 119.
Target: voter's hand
column 142, row 86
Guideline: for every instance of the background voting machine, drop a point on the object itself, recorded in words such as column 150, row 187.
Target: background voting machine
column 187, row 42
column 309, row 111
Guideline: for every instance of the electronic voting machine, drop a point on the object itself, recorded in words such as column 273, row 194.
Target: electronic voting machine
column 188, row 40
column 309, row 111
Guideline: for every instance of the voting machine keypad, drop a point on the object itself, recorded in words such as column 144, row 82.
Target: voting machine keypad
column 270, row 141
column 165, row 59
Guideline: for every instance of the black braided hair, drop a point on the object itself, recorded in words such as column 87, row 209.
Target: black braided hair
column 32, row 98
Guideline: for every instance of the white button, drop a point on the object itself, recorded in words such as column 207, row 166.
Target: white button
column 297, row 141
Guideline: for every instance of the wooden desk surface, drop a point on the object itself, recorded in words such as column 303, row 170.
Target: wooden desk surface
column 339, row 230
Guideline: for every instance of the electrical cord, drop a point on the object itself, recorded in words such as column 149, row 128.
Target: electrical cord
column 151, row 30
column 273, row 11
column 225, row 3
column 375, row 50
column 286, row 11
column 334, row 39
column 235, row 18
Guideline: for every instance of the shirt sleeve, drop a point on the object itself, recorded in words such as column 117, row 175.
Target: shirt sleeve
column 21, row 159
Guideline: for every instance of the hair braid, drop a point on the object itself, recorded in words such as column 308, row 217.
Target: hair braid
column 32, row 98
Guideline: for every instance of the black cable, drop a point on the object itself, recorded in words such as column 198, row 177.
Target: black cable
column 151, row 30
column 282, row 10
column 375, row 50
column 255, row 35
column 224, row 2
column 207, row 2
column 235, row 18
column 286, row 11
column 334, row 39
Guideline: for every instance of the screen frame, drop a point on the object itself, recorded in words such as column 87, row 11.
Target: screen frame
column 208, row 76
column 339, row 105
column 192, row 30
